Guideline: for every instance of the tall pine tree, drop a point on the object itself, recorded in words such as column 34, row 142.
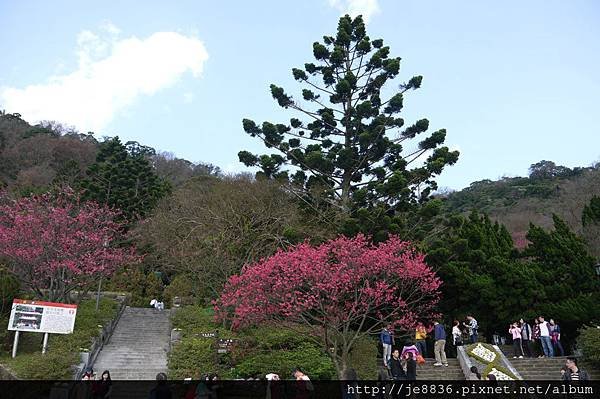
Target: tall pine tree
column 350, row 152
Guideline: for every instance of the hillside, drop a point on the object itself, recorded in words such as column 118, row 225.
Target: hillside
column 516, row 202
column 34, row 157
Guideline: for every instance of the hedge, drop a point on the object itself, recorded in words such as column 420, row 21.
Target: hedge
column 258, row 350
column 589, row 344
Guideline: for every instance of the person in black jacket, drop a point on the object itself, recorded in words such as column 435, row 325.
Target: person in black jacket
column 395, row 365
column 574, row 373
column 162, row 390
column 411, row 367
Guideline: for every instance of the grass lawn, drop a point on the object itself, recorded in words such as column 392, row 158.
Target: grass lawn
column 63, row 349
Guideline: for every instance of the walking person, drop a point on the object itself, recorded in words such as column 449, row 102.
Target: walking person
column 526, row 337
column 473, row 327
column 439, row 348
column 456, row 336
column 420, row 337
column 395, row 364
column 387, row 340
column 545, row 337
column 555, row 337
column 515, row 331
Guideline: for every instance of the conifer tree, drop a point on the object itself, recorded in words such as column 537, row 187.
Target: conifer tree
column 349, row 148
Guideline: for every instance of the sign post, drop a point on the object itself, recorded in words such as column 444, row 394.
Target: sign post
column 45, row 344
column 15, row 344
column 41, row 317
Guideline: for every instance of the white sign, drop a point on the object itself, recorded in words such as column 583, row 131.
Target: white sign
column 42, row 317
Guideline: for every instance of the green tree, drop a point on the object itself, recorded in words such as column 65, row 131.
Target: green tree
column 567, row 277
column 351, row 151
column 474, row 258
column 123, row 178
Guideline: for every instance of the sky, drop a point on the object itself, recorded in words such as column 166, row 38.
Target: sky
column 513, row 82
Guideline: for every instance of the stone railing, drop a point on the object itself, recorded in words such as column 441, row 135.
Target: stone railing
column 88, row 358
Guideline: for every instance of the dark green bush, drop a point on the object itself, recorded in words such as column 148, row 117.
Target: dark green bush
column 257, row 351
column 363, row 358
column 180, row 286
column 309, row 357
column 192, row 357
column 589, row 344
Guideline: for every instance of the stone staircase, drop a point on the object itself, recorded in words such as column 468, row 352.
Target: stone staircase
column 428, row 371
column 138, row 347
column 547, row 368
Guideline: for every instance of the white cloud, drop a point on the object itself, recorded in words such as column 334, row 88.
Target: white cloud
column 111, row 75
column 366, row 8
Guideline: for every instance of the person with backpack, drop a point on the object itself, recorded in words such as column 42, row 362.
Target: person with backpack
column 526, row 337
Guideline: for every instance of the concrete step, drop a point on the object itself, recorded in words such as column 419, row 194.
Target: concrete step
column 138, row 348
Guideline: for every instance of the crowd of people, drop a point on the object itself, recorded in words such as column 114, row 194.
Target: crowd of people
column 417, row 350
column 547, row 334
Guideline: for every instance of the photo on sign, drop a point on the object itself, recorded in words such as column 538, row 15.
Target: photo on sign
column 28, row 320
column 29, row 309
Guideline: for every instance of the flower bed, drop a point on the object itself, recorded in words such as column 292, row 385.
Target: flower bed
column 488, row 356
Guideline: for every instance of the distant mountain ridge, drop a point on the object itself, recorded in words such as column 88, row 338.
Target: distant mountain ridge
column 518, row 201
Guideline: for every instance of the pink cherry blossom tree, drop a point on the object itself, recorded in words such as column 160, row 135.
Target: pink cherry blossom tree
column 56, row 243
column 341, row 290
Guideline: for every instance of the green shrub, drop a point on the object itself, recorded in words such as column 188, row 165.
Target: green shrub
column 589, row 344
column 257, row 350
column 363, row 358
column 195, row 320
column 192, row 357
column 180, row 286
column 310, row 358
column 54, row 365
column 275, row 337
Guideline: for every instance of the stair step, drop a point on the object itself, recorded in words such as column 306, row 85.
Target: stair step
column 138, row 347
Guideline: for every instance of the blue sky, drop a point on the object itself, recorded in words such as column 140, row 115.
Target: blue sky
column 513, row 82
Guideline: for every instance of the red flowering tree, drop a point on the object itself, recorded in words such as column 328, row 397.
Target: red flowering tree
column 342, row 290
column 55, row 243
